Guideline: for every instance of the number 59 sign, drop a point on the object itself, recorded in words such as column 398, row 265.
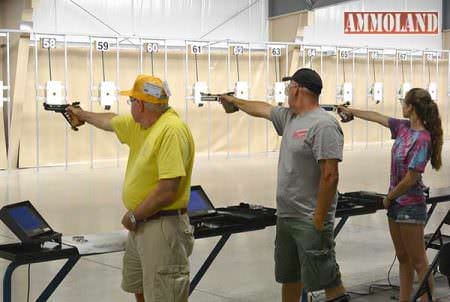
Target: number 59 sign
column 102, row 45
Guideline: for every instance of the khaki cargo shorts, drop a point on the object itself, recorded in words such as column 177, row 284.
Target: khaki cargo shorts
column 304, row 254
column 156, row 261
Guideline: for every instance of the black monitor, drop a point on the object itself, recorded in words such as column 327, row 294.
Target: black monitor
column 199, row 203
column 25, row 222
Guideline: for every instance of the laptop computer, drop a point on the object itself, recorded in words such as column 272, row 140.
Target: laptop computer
column 208, row 220
column 199, row 203
column 27, row 224
column 204, row 216
column 201, row 206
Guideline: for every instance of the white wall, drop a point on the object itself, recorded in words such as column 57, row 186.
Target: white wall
column 157, row 18
column 328, row 25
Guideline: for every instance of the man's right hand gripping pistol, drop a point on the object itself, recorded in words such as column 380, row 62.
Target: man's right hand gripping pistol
column 73, row 115
column 70, row 116
column 228, row 106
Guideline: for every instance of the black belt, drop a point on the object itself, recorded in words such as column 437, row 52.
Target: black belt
column 166, row 213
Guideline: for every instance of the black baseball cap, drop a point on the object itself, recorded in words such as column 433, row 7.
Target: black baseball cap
column 307, row 78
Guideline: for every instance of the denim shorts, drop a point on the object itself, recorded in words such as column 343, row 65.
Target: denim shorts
column 414, row 213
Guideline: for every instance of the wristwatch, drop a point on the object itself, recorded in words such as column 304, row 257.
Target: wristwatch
column 132, row 218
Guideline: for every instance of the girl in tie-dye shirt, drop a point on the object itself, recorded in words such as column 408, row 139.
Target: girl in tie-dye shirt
column 418, row 139
column 411, row 151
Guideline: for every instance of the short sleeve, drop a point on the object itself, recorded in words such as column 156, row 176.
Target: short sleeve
column 173, row 155
column 122, row 125
column 395, row 125
column 419, row 155
column 279, row 117
column 328, row 143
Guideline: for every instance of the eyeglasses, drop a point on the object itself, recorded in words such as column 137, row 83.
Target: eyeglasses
column 130, row 101
column 288, row 86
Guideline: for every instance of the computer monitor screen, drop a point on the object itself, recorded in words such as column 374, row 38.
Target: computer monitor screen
column 28, row 221
column 199, row 201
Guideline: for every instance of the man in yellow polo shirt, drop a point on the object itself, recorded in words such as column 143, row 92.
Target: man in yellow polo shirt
column 155, row 191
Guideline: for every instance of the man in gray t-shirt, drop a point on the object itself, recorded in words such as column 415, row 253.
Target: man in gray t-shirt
column 311, row 148
column 307, row 139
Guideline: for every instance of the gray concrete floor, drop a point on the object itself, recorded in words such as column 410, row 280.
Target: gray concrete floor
column 83, row 200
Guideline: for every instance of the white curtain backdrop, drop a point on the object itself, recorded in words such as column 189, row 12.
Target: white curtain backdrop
column 243, row 20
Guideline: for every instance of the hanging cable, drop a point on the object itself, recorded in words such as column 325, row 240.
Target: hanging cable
column 49, row 64
column 276, row 69
column 103, row 67
column 196, row 67
column 237, row 66
column 151, row 56
column 99, row 20
column 380, row 286
column 389, row 272
column 343, row 69
column 279, row 68
column 29, row 280
column 373, row 68
column 403, row 73
column 389, row 285
column 229, row 19
column 94, row 16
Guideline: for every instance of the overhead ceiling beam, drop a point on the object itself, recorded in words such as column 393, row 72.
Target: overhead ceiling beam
column 322, row 3
column 282, row 7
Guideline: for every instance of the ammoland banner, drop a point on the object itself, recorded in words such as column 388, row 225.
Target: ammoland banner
column 423, row 23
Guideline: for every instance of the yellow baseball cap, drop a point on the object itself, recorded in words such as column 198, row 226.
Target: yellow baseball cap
column 149, row 89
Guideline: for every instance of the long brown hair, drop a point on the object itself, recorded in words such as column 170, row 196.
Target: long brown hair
column 428, row 112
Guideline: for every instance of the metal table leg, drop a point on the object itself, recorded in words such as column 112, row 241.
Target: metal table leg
column 204, row 268
column 430, row 211
column 340, row 225
column 7, row 281
column 51, row 287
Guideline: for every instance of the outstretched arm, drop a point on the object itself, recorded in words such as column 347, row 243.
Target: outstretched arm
column 371, row 116
column 99, row 120
column 253, row 108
